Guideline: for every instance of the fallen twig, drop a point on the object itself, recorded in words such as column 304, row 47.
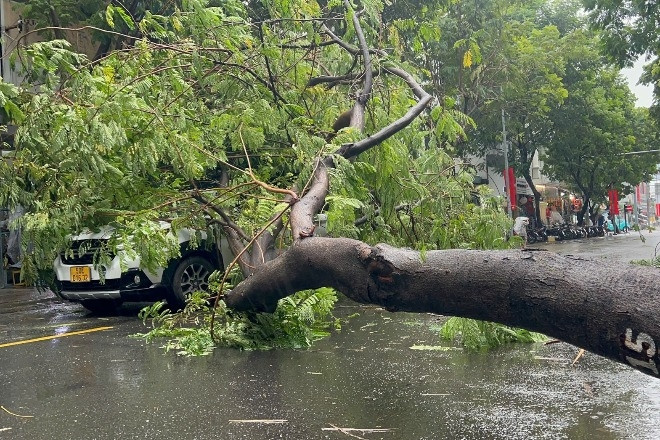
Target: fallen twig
column 343, row 431
column 579, row 355
column 14, row 414
column 349, row 431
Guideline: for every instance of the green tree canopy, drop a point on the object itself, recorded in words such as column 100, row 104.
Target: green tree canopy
column 594, row 127
column 214, row 120
column 630, row 29
column 531, row 88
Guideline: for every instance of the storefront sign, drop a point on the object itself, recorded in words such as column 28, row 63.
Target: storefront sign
column 523, row 188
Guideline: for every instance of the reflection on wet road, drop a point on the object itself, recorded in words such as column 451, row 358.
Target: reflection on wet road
column 366, row 381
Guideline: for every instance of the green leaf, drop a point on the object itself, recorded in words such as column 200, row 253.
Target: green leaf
column 128, row 21
column 109, row 16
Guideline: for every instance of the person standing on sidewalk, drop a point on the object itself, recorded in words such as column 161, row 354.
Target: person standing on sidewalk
column 520, row 228
column 614, row 223
column 555, row 216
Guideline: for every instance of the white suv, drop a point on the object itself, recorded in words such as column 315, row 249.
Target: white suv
column 77, row 278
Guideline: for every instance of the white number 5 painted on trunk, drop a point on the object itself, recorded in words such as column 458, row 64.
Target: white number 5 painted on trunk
column 638, row 346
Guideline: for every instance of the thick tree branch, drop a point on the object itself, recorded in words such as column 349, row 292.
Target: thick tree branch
column 348, row 47
column 302, row 213
column 340, row 79
column 357, row 117
column 352, row 150
column 235, row 235
column 609, row 309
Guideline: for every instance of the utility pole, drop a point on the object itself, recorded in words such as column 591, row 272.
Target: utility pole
column 507, row 183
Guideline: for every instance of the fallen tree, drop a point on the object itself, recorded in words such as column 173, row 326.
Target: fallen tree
column 608, row 309
column 222, row 98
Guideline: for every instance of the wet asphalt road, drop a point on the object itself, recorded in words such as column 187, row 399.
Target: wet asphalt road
column 103, row 384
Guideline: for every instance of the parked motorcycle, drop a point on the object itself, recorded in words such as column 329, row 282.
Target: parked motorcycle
column 556, row 230
column 535, row 235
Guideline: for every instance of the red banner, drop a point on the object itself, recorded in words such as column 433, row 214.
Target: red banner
column 657, row 209
column 614, row 201
column 510, row 182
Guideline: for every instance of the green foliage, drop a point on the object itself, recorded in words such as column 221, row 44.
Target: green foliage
column 629, row 29
column 112, row 10
column 599, row 117
column 203, row 93
column 298, row 321
column 61, row 12
column 10, row 110
column 652, row 262
column 186, row 332
column 481, row 335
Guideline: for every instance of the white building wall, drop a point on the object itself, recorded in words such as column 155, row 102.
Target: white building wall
column 13, row 37
column 14, row 32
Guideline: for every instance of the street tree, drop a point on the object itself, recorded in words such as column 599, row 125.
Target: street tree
column 531, row 88
column 220, row 120
column 594, row 128
column 492, row 57
column 631, row 29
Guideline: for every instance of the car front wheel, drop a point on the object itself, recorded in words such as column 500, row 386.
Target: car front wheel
column 190, row 275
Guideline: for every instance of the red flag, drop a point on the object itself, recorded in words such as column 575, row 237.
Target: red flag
column 614, row 201
column 511, row 188
column 657, row 209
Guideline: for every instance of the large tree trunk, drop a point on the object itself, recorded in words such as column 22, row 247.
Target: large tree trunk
column 583, row 210
column 537, row 198
column 611, row 310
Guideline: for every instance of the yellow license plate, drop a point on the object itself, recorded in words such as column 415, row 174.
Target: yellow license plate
column 81, row 274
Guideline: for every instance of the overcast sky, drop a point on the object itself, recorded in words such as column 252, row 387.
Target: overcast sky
column 643, row 93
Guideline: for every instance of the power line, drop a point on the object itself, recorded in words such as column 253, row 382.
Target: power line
column 638, row 152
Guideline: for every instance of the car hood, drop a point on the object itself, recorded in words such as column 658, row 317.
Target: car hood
column 104, row 232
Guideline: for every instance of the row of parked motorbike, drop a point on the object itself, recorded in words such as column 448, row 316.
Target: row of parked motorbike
column 564, row 232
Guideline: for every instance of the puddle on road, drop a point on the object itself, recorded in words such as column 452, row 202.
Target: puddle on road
column 370, row 377
column 384, row 376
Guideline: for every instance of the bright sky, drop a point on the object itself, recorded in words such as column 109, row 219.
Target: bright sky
column 644, row 93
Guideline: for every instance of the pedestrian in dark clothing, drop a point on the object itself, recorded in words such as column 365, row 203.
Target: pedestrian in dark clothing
column 614, row 225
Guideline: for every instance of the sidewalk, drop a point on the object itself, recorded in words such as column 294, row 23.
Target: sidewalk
column 624, row 247
column 6, row 282
column 11, row 289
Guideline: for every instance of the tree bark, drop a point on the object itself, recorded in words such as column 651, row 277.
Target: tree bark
column 608, row 309
column 585, row 206
column 537, row 198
